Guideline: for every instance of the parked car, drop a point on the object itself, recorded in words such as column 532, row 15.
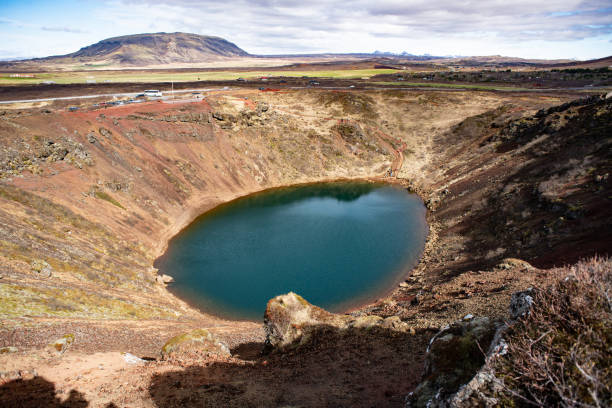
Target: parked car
column 153, row 93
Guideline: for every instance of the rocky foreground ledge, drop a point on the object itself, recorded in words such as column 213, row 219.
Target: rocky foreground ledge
column 307, row 356
column 552, row 348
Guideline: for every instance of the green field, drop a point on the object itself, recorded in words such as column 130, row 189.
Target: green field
column 454, row 86
column 178, row 76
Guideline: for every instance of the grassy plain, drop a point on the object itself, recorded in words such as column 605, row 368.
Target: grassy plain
column 454, row 86
column 183, row 76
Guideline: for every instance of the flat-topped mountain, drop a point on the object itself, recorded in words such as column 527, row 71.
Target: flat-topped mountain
column 152, row 49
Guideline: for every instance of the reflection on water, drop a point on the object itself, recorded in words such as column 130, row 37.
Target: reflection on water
column 340, row 191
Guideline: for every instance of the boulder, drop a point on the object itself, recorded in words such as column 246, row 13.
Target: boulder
column 42, row 268
column 105, row 132
column 289, row 320
column 199, row 341
column 62, row 344
column 520, row 303
column 511, row 263
column 395, row 323
column 132, row 359
column 455, row 371
column 454, row 356
column 366, row 322
column 164, row 279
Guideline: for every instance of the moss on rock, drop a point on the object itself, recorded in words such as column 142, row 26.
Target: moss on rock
column 63, row 343
column 196, row 341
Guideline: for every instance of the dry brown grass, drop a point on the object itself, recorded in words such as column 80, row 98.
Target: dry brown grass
column 559, row 354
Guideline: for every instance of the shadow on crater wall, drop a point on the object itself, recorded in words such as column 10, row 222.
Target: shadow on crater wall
column 37, row 392
column 339, row 368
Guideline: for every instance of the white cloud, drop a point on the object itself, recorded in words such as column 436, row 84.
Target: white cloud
column 551, row 29
column 64, row 30
column 269, row 26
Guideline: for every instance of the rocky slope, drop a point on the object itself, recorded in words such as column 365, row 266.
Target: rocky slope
column 88, row 200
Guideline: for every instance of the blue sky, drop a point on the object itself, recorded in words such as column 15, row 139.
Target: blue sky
column 530, row 29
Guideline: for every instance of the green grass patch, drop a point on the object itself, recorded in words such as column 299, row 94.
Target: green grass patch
column 105, row 196
column 453, row 86
column 18, row 301
column 181, row 76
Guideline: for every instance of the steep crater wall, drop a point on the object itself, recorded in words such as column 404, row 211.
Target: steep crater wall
column 90, row 198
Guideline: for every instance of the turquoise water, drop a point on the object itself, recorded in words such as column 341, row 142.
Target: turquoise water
column 338, row 245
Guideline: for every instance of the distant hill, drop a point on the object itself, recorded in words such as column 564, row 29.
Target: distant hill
column 592, row 64
column 185, row 50
column 150, row 49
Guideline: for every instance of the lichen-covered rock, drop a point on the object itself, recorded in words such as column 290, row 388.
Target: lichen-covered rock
column 62, row 344
column 105, row 132
column 455, row 371
column 195, row 342
column 289, row 319
column 521, row 303
column 42, row 268
column 164, row 279
column 395, row 323
column 511, row 263
column 454, row 356
column 366, row 322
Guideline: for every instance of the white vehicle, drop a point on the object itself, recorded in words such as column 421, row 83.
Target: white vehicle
column 152, row 93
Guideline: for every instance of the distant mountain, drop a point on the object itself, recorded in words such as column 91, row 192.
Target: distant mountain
column 151, row 49
column 185, row 50
column 605, row 62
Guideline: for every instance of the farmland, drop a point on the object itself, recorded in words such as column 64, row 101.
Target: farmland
column 154, row 76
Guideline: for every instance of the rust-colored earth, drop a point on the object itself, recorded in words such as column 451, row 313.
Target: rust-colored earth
column 89, row 199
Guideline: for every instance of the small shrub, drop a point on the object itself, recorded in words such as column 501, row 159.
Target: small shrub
column 559, row 354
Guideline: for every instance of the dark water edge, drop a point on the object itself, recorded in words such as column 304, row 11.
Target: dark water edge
column 341, row 245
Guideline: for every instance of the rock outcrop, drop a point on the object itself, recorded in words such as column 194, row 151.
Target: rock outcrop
column 199, row 341
column 164, row 279
column 62, row 344
column 454, row 356
column 290, row 320
column 456, row 369
column 521, row 303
